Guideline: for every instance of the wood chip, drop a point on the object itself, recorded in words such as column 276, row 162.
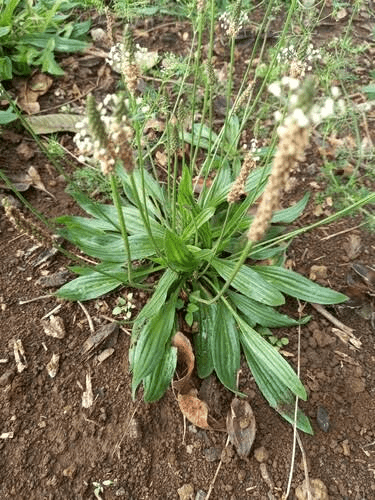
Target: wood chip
column 19, row 356
column 54, row 327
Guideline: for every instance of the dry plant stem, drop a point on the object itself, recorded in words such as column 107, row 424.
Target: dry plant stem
column 118, row 445
column 305, row 468
column 332, row 319
column 293, row 141
column 295, row 432
column 216, row 474
column 54, row 311
column 343, row 231
column 124, row 232
column 89, row 319
column 41, row 297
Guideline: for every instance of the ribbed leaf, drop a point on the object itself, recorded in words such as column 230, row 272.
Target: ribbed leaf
column 185, row 189
column 201, row 218
column 177, row 254
column 202, row 340
column 261, row 314
column 156, row 302
column 249, row 283
column 157, row 383
column 93, row 284
column 291, row 213
column 154, row 194
column 277, row 394
column 225, row 347
column 84, row 223
column 150, row 346
column 108, row 213
column 270, row 360
column 298, row 286
column 109, row 247
column 218, row 191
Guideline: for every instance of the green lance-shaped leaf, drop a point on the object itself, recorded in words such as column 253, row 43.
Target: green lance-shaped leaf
column 290, row 214
column 225, row 347
column 249, row 282
column 270, row 359
column 150, row 346
column 177, row 253
column 277, row 393
column 158, row 381
column 261, row 314
column 298, row 286
column 93, row 283
column 202, row 340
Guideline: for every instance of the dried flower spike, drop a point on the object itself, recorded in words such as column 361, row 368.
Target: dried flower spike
column 293, row 141
column 36, row 232
column 237, row 191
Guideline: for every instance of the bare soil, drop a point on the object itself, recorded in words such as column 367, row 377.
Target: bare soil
column 53, row 448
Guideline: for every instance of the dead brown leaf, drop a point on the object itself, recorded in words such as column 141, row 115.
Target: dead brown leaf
column 24, row 151
column 241, row 426
column 23, row 181
column 29, row 92
column 54, row 327
column 195, row 410
column 185, row 357
column 105, row 336
column 161, row 158
column 36, row 181
column 353, row 246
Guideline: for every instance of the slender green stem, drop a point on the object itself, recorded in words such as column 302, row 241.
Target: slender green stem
column 123, row 230
column 243, row 257
column 174, row 192
column 218, row 242
column 345, row 211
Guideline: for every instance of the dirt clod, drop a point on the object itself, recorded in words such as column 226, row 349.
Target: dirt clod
column 261, row 454
column 317, row 488
column 186, row 492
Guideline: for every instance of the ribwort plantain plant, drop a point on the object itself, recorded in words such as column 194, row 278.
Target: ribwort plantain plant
column 193, row 230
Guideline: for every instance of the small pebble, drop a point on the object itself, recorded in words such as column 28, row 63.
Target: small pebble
column 186, row 492
column 201, row 495
column 261, row 454
column 212, row 454
column 241, row 475
column 7, row 377
column 322, row 419
column 318, row 489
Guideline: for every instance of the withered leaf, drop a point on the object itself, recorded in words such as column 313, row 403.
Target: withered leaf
column 353, row 246
column 19, row 355
column 195, row 410
column 186, row 357
column 241, row 426
column 54, row 327
column 95, row 340
column 53, row 366
column 88, row 396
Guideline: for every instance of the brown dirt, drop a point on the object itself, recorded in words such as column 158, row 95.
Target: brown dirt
column 57, row 449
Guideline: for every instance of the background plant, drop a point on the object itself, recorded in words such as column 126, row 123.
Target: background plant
column 193, row 241
column 32, row 32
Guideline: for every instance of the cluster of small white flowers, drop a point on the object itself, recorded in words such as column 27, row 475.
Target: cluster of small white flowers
column 144, row 58
column 254, row 149
column 90, row 151
column 298, row 67
column 171, row 63
column 301, row 111
column 229, row 24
